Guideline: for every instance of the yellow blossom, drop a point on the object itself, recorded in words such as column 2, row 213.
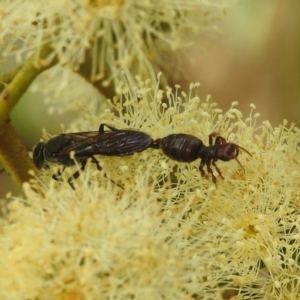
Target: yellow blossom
column 99, row 39
column 170, row 234
column 112, row 35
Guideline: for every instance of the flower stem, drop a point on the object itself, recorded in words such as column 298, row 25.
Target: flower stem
column 13, row 155
column 7, row 78
column 18, row 85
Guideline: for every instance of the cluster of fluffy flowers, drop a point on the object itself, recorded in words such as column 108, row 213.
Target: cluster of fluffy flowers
column 112, row 35
column 99, row 39
column 170, row 234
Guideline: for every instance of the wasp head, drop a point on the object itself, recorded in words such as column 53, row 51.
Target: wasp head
column 38, row 155
column 229, row 151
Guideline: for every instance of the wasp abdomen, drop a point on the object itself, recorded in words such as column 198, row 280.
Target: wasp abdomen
column 181, row 147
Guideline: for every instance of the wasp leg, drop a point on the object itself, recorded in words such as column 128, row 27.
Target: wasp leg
column 209, row 170
column 71, row 185
column 201, row 169
column 58, row 174
column 77, row 173
column 74, row 176
column 210, row 138
column 218, row 170
column 218, row 141
column 95, row 161
column 101, row 128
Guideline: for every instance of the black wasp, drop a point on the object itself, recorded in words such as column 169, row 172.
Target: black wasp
column 85, row 145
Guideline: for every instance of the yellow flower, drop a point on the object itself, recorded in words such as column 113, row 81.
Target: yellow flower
column 99, row 39
column 170, row 234
column 112, row 35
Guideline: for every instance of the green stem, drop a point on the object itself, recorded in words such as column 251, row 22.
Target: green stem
column 13, row 155
column 23, row 79
column 7, row 78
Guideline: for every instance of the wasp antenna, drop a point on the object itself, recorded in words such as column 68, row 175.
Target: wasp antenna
column 245, row 151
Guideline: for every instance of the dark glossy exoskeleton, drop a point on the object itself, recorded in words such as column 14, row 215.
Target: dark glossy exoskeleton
column 187, row 148
column 85, row 145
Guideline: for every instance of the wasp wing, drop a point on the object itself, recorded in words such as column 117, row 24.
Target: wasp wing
column 111, row 143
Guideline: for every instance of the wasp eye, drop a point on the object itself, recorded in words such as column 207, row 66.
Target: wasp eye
column 38, row 157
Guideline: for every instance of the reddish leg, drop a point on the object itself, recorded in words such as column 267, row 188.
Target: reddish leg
column 201, row 169
column 218, row 141
column 209, row 170
column 218, row 170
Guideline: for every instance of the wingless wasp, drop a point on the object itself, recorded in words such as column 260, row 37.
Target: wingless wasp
column 187, row 148
column 87, row 144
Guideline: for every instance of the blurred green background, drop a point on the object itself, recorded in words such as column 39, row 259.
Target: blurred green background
column 255, row 60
